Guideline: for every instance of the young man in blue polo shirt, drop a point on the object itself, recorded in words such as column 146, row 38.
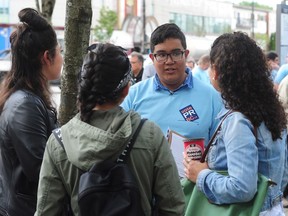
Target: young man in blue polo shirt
column 172, row 98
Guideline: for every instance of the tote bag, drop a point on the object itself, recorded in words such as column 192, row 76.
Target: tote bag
column 198, row 205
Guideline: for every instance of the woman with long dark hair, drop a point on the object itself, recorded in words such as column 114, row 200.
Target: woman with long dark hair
column 27, row 114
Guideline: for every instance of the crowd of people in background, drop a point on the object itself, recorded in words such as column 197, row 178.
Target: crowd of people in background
column 174, row 91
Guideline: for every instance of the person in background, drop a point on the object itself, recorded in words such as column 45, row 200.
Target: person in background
column 172, row 98
column 136, row 60
column 190, row 62
column 100, row 131
column 201, row 70
column 281, row 74
column 273, row 63
column 148, row 71
column 283, row 96
column 252, row 138
column 27, row 115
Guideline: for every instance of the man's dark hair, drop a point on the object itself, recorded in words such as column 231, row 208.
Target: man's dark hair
column 166, row 31
column 271, row 55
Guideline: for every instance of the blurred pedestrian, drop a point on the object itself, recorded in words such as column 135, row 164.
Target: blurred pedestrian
column 190, row 62
column 273, row 63
column 136, row 60
column 281, row 74
column 201, row 70
column 148, row 71
column 27, row 115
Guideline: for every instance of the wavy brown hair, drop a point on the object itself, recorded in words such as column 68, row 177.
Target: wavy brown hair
column 244, row 81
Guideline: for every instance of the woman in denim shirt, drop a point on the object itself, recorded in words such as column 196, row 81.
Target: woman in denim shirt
column 239, row 72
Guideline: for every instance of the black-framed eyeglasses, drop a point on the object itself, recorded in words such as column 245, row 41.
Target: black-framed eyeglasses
column 162, row 57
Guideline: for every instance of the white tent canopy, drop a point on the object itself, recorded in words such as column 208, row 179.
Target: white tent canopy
column 122, row 38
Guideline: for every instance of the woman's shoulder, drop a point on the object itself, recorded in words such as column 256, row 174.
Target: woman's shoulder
column 24, row 103
column 24, row 96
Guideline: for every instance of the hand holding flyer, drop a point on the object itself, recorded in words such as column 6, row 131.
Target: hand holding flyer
column 194, row 148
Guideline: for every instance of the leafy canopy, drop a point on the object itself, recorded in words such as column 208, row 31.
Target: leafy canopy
column 106, row 24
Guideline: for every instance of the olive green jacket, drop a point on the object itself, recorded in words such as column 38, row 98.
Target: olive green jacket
column 106, row 137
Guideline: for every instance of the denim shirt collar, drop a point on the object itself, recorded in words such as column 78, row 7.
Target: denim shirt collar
column 222, row 113
column 188, row 82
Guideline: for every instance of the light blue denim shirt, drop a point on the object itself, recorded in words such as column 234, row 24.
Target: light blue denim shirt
column 235, row 149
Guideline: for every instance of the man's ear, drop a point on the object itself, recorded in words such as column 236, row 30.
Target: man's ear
column 186, row 53
column 151, row 56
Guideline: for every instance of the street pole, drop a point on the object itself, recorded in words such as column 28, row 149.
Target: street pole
column 252, row 18
column 143, row 27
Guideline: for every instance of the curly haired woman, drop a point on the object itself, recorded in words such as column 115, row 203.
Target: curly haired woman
column 240, row 73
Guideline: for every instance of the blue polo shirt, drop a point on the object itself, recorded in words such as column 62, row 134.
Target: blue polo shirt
column 190, row 110
column 201, row 74
column 281, row 74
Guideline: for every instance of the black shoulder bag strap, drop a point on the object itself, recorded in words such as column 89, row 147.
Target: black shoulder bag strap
column 58, row 136
column 124, row 155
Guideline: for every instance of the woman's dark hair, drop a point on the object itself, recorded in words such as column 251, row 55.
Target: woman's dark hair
column 33, row 36
column 105, row 72
column 243, row 77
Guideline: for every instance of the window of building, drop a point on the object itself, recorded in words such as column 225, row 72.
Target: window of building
column 200, row 25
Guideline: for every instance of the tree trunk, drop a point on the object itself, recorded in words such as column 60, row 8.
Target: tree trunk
column 37, row 6
column 77, row 34
column 47, row 8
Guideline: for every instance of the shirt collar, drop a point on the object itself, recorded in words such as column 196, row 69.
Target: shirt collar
column 222, row 112
column 188, row 82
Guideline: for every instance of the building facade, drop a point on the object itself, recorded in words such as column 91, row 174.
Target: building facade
column 202, row 21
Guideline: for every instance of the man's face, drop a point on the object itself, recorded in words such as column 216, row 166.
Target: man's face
column 136, row 65
column 171, row 72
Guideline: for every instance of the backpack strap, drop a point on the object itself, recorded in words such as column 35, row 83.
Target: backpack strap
column 124, row 155
column 58, row 136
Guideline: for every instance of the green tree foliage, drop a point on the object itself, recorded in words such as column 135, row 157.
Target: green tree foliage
column 107, row 22
column 262, row 40
column 272, row 42
column 256, row 5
